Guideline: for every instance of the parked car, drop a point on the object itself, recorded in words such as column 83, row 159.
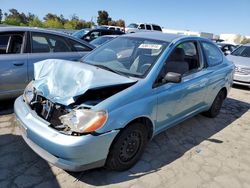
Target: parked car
column 111, row 27
column 95, row 33
column 226, row 48
column 104, row 112
column 103, row 39
column 133, row 28
column 21, row 47
column 80, row 33
column 241, row 58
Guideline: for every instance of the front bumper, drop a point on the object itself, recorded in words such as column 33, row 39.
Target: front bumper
column 242, row 79
column 73, row 153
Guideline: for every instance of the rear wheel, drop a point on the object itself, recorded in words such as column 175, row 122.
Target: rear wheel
column 216, row 106
column 127, row 147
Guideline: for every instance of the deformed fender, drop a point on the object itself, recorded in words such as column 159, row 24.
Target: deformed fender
column 120, row 117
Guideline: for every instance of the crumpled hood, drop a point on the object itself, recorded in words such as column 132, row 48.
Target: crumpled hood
column 239, row 60
column 60, row 80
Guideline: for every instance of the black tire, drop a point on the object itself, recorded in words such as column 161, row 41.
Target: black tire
column 216, row 106
column 127, row 147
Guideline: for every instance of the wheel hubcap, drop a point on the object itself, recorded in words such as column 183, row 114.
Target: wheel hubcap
column 130, row 146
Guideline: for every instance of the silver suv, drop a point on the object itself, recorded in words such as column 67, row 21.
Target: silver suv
column 133, row 28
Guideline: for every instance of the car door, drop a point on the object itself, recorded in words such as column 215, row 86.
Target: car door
column 49, row 46
column 177, row 101
column 13, row 64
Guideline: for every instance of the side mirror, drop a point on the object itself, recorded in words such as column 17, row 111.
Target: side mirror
column 227, row 52
column 172, row 77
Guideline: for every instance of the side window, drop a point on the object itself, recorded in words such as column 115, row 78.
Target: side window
column 213, row 54
column 148, row 27
column 94, row 35
column 78, row 47
column 11, row 43
column 142, row 26
column 44, row 43
column 184, row 59
column 189, row 48
column 40, row 44
column 4, row 39
column 156, row 28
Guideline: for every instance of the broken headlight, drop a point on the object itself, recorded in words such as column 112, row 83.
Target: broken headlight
column 84, row 121
column 28, row 93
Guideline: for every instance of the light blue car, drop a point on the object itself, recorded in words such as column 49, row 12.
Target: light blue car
column 21, row 47
column 104, row 111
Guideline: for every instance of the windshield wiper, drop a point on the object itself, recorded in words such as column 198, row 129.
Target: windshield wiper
column 111, row 70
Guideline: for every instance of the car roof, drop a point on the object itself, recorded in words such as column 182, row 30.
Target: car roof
column 166, row 37
column 248, row 44
column 41, row 30
column 32, row 29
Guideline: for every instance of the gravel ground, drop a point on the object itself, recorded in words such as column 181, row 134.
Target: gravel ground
column 199, row 152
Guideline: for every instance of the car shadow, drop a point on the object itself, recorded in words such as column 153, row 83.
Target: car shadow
column 6, row 106
column 170, row 145
column 241, row 87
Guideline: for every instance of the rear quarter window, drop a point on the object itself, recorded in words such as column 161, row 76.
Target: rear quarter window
column 212, row 53
column 156, row 28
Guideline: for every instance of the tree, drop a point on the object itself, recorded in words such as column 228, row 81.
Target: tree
column 245, row 40
column 120, row 23
column 103, row 17
column 35, row 22
column 53, row 23
column 15, row 18
column 111, row 22
column 1, row 15
column 50, row 16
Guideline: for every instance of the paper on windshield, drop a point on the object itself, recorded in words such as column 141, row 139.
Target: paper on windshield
column 150, row 46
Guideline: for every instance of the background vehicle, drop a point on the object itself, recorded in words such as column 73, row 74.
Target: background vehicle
column 133, row 28
column 79, row 34
column 111, row 27
column 21, row 47
column 226, row 48
column 241, row 58
column 95, row 33
column 103, row 39
column 108, row 108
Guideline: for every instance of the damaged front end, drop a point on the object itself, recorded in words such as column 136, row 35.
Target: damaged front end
column 77, row 118
column 67, row 104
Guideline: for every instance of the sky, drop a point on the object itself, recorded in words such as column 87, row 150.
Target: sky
column 215, row 16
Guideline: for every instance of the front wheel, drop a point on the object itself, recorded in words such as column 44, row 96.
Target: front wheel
column 216, row 106
column 127, row 147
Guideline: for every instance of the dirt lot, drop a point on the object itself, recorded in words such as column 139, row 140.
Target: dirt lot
column 200, row 152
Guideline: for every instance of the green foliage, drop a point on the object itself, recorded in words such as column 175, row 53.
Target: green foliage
column 245, row 40
column 13, row 17
column 53, row 23
column 35, row 22
column 1, row 15
column 12, row 21
column 103, row 17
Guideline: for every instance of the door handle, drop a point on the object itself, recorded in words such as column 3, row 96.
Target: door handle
column 18, row 64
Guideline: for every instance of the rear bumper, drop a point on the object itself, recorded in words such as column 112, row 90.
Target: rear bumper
column 73, row 153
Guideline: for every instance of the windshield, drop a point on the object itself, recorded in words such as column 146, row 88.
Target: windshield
column 243, row 51
column 101, row 40
column 133, row 25
column 127, row 55
column 80, row 34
